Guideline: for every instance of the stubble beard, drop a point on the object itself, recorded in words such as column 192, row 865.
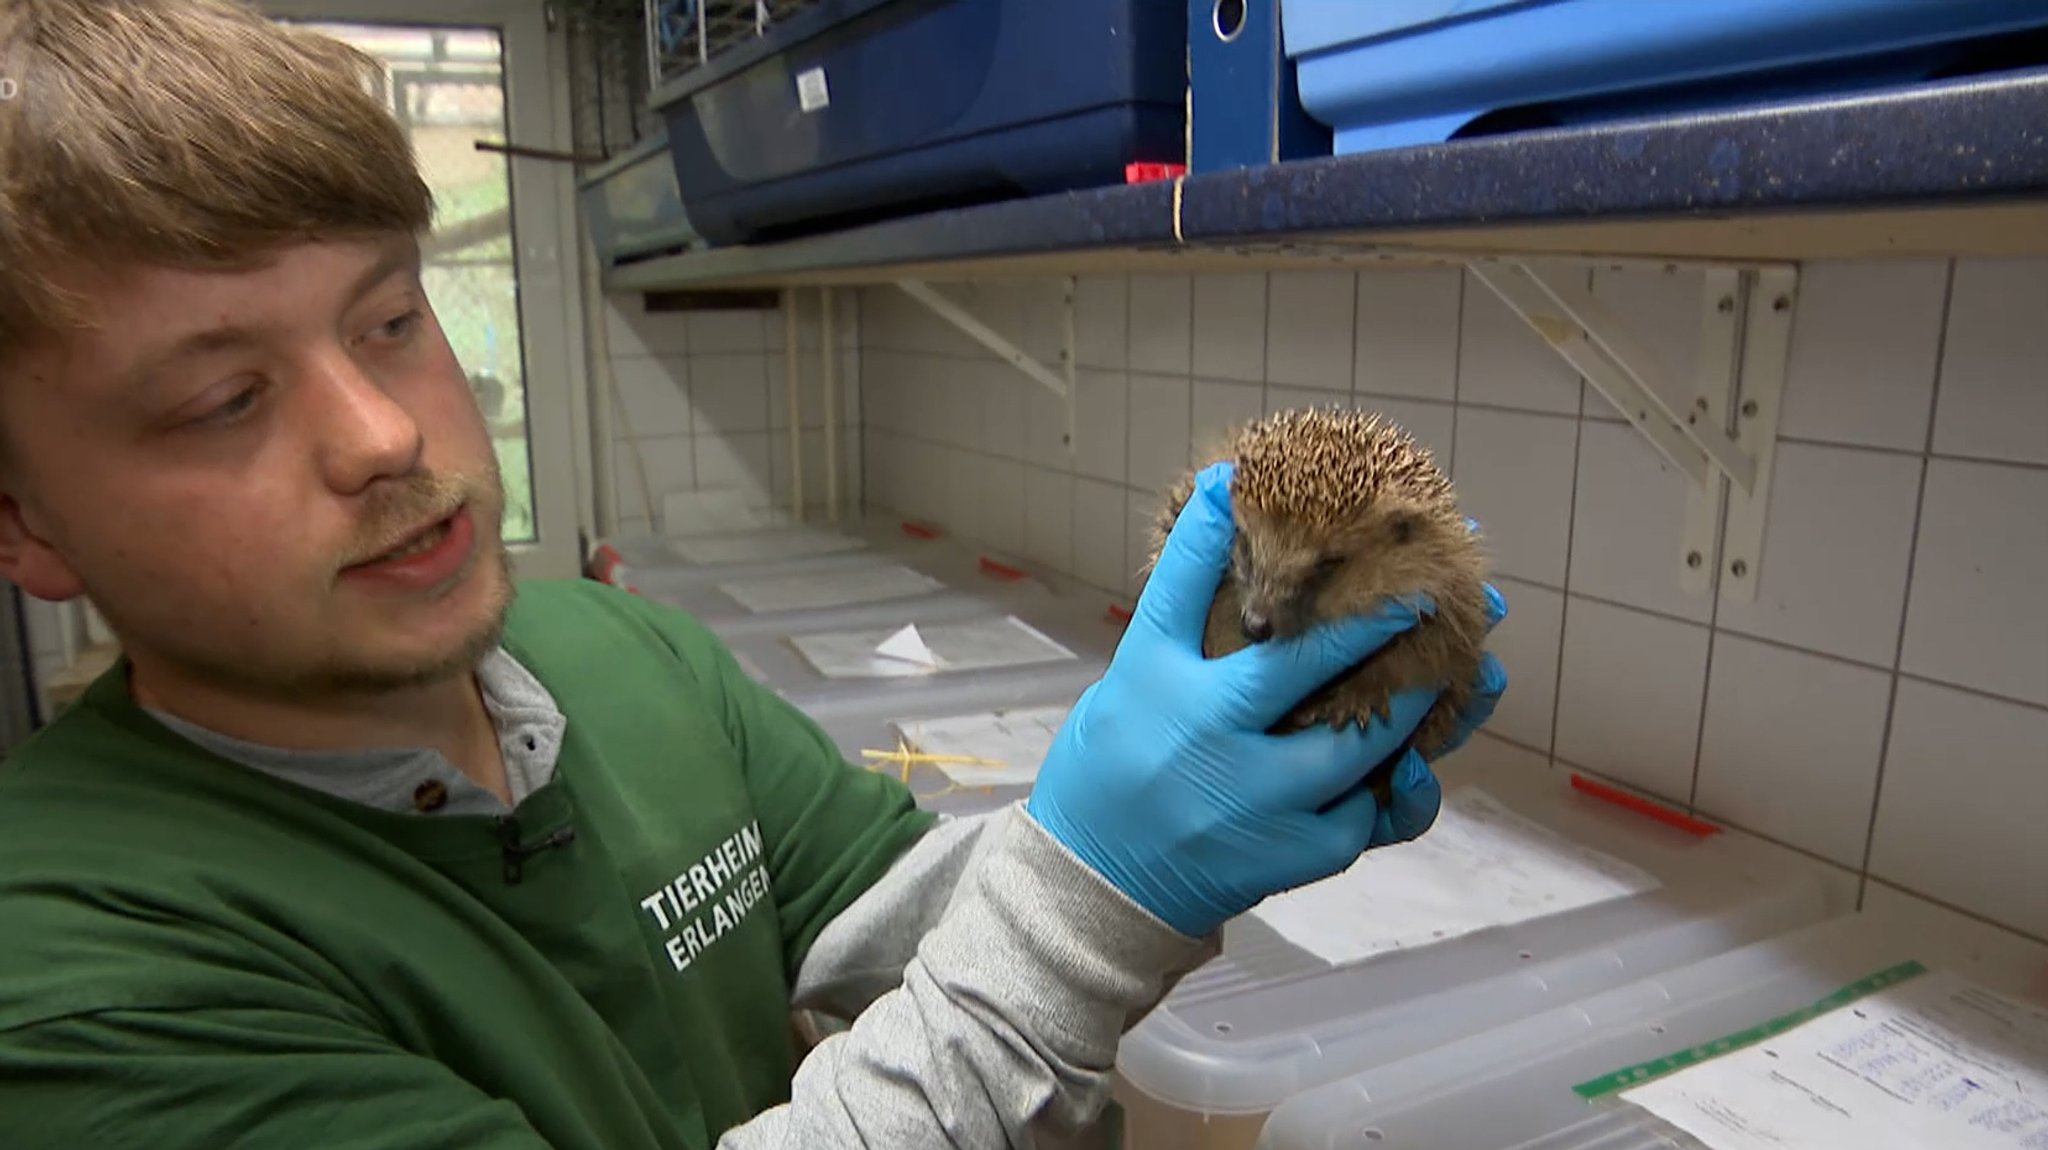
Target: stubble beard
column 343, row 670
column 405, row 505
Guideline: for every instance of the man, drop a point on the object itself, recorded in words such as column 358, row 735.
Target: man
column 361, row 847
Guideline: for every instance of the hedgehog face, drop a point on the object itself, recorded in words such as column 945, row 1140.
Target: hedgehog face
column 1292, row 573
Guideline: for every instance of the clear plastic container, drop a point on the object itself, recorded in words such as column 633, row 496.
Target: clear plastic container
column 1512, row 1088
column 1267, row 1020
column 633, row 205
column 887, row 580
column 723, row 553
column 859, row 727
column 1080, row 625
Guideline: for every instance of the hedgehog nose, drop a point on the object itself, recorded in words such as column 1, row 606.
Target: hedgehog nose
column 1257, row 627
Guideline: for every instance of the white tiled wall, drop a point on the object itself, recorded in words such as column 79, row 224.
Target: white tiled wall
column 1882, row 706
column 700, row 403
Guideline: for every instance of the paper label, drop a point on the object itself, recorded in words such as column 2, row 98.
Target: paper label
column 910, row 647
column 1933, row 1063
column 1481, row 865
column 811, row 92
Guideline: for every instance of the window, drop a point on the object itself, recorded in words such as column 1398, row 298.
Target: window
column 500, row 263
column 446, row 86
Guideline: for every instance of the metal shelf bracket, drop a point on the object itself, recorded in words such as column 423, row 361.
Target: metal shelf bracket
column 1745, row 316
column 1060, row 383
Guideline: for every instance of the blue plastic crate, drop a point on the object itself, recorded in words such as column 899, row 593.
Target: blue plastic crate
column 1243, row 107
column 1390, row 73
column 859, row 110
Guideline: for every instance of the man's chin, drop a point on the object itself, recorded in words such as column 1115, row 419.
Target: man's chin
column 454, row 635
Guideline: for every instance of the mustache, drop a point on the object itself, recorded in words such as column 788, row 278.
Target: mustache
column 395, row 510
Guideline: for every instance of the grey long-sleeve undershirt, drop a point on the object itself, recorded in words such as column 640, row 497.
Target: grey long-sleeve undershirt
column 989, row 976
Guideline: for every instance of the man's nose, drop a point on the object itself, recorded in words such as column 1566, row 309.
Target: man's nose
column 1257, row 627
column 366, row 434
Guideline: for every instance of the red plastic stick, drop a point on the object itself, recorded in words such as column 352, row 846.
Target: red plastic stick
column 1643, row 806
column 999, row 570
column 1142, row 173
column 920, row 530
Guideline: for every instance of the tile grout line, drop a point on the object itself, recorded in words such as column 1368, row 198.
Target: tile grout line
column 1458, row 373
column 1713, row 592
column 1891, row 709
column 1357, row 301
column 1571, row 523
column 1605, row 776
column 1952, row 908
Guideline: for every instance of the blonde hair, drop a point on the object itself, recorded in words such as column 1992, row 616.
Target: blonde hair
column 192, row 134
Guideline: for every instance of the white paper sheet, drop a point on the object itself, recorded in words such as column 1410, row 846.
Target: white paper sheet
column 969, row 645
column 762, row 545
column 1934, row 1063
column 1018, row 739
column 712, row 512
column 810, row 592
column 1482, row 865
column 910, row 647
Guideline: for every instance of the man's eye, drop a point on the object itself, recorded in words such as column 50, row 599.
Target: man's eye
column 231, row 409
column 400, row 327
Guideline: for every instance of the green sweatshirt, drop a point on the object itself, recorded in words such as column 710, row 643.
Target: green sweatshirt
column 193, row 952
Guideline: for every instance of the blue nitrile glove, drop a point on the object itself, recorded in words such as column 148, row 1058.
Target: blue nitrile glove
column 1493, row 677
column 1163, row 779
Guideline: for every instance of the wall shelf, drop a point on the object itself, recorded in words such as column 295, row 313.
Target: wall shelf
column 1959, row 168
column 1952, row 169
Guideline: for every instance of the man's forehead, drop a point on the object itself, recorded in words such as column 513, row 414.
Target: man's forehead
column 313, row 266
column 133, row 316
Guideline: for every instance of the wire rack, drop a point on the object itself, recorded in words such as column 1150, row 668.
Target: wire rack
column 620, row 51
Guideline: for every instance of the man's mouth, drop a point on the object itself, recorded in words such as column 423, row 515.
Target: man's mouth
column 418, row 542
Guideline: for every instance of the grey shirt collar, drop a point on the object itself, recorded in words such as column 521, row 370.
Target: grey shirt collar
column 417, row 780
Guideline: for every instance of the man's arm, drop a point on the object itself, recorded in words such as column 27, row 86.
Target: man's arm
column 1005, row 1019
column 265, row 1079
column 989, row 972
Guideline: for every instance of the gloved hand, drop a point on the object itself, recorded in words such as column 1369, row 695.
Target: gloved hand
column 1493, row 677
column 1163, row 779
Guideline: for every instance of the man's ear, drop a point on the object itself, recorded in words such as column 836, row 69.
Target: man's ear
column 27, row 559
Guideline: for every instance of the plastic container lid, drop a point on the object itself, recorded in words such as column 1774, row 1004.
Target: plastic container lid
column 861, row 727
column 1267, row 1020
column 1512, row 1088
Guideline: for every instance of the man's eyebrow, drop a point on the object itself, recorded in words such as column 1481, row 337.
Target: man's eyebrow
column 193, row 346
column 230, row 337
column 396, row 258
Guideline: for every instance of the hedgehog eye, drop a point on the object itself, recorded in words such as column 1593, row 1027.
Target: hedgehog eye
column 1404, row 528
column 1328, row 565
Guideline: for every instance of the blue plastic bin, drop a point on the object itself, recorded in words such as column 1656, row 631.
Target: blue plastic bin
column 859, row 110
column 1390, row 73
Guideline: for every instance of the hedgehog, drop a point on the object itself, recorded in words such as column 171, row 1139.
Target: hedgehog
column 1337, row 509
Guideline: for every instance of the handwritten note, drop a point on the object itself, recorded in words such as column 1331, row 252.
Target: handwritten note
column 1017, row 739
column 1935, row 1063
column 1482, row 865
